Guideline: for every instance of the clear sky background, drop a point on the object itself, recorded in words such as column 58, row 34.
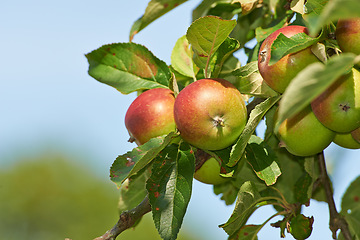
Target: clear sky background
column 48, row 102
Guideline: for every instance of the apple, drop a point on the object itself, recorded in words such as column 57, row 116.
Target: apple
column 279, row 75
column 150, row 115
column 338, row 107
column 346, row 140
column 303, row 134
column 208, row 169
column 210, row 113
column 348, row 35
column 356, row 134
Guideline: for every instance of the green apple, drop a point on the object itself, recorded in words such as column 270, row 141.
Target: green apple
column 208, row 169
column 279, row 75
column 356, row 134
column 151, row 115
column 210, row 114
column 303, row 134
column 348, row 35
column 338, row 107
column 346, row 140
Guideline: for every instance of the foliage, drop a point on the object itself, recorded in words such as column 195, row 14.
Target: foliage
column 49, row 196
column 261, row 172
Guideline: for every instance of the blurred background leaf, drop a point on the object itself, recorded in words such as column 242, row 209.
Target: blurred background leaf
column 54, row 196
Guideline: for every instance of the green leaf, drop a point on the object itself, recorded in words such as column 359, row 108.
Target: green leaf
column 154, row 10
column 297, row 6
column 181, row 58
column 226, row 50
column 246, row 204
column 128, row 67
column 283, row 45
column 169, row 188
column 302, row 187
column 292, row 171
column 351, row 199
column 262, row 33
column 332, row 11
column 263, row 160
column 251, row 82
column 221, row 8
column 130, row 163
column 226, row 9
column 353, row 221
column 311, row 82
column 205, row 35
column 255, row 117
column 350, row 208
column 242, row 174
column 247, row 232
column 132, row 192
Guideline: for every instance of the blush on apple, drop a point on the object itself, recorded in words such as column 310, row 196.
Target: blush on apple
column 279, row 75
column 348, row 35
column 338, row 107
column 210, row 114
column 356, row 134
column 151, row 115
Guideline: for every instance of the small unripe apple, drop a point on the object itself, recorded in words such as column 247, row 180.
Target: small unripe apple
column 348, row 35
column 150, row 115
column 338, row 107
column 279, row 75
column 208, row 169
column 346, row 140
column 356, row 134
column 304, row 135
column 210, row 114
column 301, row 227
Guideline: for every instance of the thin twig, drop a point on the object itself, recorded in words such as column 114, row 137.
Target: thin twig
column 336, row 220
column 126, row 220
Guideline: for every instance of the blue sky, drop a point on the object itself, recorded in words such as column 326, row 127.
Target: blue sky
column 48, row 102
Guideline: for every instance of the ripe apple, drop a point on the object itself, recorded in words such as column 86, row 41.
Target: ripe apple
column 150, row 115
column 208, row 169
column 303, row 134
column 210, row 113
column 345, row 140
column 356, row 134
column 279, row 75
column 348, row 35
column 338, row 107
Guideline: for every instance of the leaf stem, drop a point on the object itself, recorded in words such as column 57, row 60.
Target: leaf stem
column 336, row 220
column 126, row 220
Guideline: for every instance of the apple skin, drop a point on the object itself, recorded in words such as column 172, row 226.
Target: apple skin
column 338, row 107
column 346, row 140
column 279, row 75
column 151, row 115
column 210, row 114
column 304, row 135
column 348, row 35
column 209, row 172
column 356, row 134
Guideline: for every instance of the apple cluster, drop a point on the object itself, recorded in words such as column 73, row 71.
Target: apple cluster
column 334, row 115
column 210, row 114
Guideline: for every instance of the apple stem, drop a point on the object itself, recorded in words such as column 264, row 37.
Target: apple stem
column 336, row 220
